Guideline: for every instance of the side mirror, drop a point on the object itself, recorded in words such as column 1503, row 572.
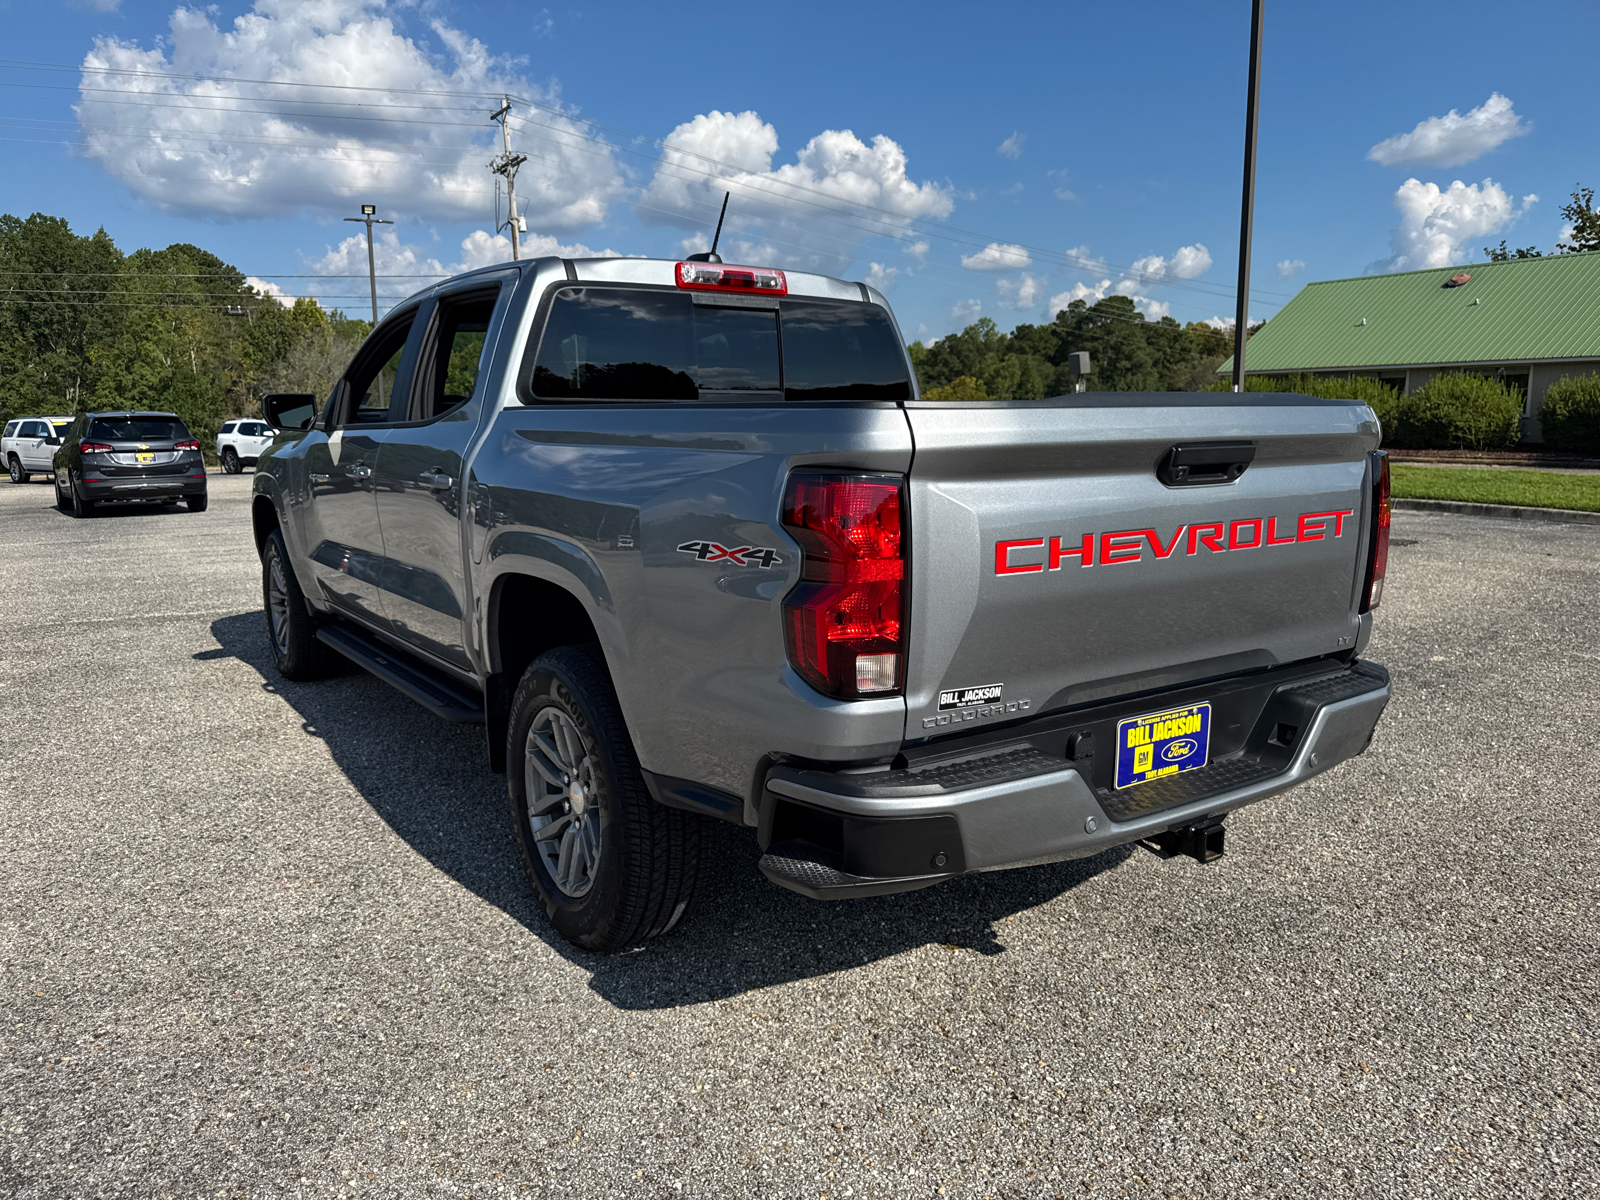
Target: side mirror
column 289, row 410
column 52, row 440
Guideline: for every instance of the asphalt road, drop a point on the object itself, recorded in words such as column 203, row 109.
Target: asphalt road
column 268, row 939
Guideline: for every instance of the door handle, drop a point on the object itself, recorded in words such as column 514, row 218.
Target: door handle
column 358, row 471
column 435, row 480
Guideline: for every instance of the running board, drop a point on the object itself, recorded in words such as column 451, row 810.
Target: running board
column 440, row 696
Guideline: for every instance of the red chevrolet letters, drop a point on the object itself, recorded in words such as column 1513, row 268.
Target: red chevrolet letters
column 1128, row 545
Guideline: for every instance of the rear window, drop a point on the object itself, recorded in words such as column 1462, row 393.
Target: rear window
column 609, row 343
column 11, row 429
column 137, row 429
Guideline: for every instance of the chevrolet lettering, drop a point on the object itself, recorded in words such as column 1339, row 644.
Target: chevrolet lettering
column 685, row 540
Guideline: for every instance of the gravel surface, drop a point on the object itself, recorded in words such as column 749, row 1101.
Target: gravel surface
column 270, row 939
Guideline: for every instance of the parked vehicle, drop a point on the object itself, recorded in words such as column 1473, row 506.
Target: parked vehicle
column 28, row 444
column 683, row 537
column 240, row 443
column 114, row 457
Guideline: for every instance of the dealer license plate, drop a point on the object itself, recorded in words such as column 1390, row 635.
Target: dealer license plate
column 145, row 458
column 1162, row 744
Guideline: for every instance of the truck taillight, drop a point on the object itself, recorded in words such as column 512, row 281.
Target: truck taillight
column 843, row 621
column 1378, row 559
column 715, row 277
column 93, row 448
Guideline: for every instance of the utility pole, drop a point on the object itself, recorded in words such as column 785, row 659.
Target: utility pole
column 369, row 220
column 507, row 165
column 1241, row 321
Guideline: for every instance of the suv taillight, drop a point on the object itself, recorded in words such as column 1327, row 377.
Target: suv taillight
column 843, row 621
column 186, row 445
column 714, row 277
column 93, row 448
column 1378, row 559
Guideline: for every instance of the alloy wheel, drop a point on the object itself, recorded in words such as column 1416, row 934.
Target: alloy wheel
column 278, row 605
column 563, row 801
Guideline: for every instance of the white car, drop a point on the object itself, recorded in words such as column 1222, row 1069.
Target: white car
column 241, row 441
column 29, row 443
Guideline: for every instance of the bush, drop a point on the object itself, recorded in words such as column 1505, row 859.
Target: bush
column 1459, row 412
column 1570, row 417
column 1377, row 395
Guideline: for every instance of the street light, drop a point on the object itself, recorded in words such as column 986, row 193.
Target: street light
column 369, row 220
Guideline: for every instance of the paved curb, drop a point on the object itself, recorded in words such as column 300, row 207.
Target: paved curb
column 1516, row 512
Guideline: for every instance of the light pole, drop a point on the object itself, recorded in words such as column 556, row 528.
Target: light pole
column 369, row 220
column 1241, row 320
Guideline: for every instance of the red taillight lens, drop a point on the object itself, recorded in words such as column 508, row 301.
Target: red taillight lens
column 186, row 446
column 843, row 621
column 1378, row 561
column 715, row 277
column 93, row 448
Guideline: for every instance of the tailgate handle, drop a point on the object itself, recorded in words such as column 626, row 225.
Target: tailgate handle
column 1216, row 462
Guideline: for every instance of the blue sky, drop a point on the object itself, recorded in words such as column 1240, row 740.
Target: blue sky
column 996, row 159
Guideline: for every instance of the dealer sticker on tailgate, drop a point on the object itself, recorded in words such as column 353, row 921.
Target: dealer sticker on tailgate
column 1162, row 744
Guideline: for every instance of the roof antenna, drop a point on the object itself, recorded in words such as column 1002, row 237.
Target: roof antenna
column 711, row 255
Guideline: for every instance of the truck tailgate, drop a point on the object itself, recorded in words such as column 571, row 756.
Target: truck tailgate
column 1051, row 566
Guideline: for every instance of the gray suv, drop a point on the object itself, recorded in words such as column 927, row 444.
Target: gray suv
column 684, row 539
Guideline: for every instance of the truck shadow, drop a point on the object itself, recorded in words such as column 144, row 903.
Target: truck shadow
column 428, row 781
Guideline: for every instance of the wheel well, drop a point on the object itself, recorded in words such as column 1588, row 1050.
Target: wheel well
column 528, row 616
column 264, row 519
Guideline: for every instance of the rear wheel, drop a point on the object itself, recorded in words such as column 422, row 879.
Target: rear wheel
column 291, row 626
column 198, row 503
column 80, row 506
column 18, row 475
column 613, row 867
column 62, row 502
column 230, row 461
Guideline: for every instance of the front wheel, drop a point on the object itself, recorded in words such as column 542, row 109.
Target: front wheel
column 198, row 503
column 291, row 628
column 18, row 475
column 613, row 867
column 230, row 462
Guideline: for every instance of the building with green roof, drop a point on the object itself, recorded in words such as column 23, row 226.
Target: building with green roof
column 1528, row 321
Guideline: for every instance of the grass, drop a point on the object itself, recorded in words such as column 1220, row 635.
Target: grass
column 1536, row 489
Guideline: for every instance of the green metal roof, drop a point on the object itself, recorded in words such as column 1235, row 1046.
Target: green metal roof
column 1523, row 310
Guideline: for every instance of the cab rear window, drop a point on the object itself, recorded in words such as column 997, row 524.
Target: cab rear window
column 616, row 343
column 137, row 429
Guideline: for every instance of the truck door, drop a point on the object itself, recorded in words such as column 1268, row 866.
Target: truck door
column 343, row 539
column 419, row 476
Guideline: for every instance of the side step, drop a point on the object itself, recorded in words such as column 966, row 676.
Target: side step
column 812, row 871
column 441, row 696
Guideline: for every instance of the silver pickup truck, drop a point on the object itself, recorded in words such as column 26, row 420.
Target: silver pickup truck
column 684, row 539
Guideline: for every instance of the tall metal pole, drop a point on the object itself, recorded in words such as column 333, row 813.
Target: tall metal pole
column 1241, row 321
column 369, row 220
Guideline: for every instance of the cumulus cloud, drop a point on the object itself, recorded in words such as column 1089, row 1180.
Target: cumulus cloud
column 918, row 251
column 1441, row 227
column 1289, row 267
column 1187, row 262
column 807, row 208
column 220, row 145
column 270, row 290
column 965, row 312
column 1012, row 146
column 880, row 276
column 1023, row 292
column 1154, row 309
column 997, row 256
column 1453, row 139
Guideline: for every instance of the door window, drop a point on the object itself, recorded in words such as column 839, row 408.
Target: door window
column 371, row 381
column 33, row 429
column 450, row 376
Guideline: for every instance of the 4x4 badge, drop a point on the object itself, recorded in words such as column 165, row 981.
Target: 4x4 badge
column 739, row 556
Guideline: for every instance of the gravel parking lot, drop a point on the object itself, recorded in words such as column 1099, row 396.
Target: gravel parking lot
column 270, row 939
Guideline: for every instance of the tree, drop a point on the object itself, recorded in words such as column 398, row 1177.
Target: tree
column 1501, row 254
column 963, row 388
column 1585, row 222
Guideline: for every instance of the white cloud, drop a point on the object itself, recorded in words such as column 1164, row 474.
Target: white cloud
column 222, row 146
column 1187, row 262
column 1441, row 227
column 880, row 276
column 1066, row 194
column 918, row 251
column 797, row 205
column 997, row 256
column 1022, row 292
column 1453, row 139
column 965, row 312
column 99, row 6
column 270, row 290
column 1289, row 267
column 1153, row 309
column 1013, row 189
column 1063, row 192
column 1012, row 146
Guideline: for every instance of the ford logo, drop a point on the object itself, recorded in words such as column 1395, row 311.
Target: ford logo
column 1182, row 748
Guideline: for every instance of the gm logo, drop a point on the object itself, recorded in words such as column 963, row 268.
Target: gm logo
column 1182, row 748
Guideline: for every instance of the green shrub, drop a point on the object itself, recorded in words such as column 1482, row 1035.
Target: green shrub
column 1379, row 396
column 964, row 387
column 1570, row 417
column 1455, row 411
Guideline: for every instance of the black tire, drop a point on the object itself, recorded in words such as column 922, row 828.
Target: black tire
column 643, row 877
column 18, row 475
column 230, row 461
column 80, row 507
column 63, row 503
column 296, row 652
column 198, row 503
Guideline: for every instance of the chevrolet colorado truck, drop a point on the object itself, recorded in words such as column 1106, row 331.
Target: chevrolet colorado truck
column 684, row 538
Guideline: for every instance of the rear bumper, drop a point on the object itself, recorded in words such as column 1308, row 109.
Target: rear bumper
column 832, row 835
column 149, row 487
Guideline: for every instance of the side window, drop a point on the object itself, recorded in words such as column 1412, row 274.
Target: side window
column 371, row 381
column 11, row 429
column 34, row 429
column 840, row 351
column 228, row 427
column 448, row 376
